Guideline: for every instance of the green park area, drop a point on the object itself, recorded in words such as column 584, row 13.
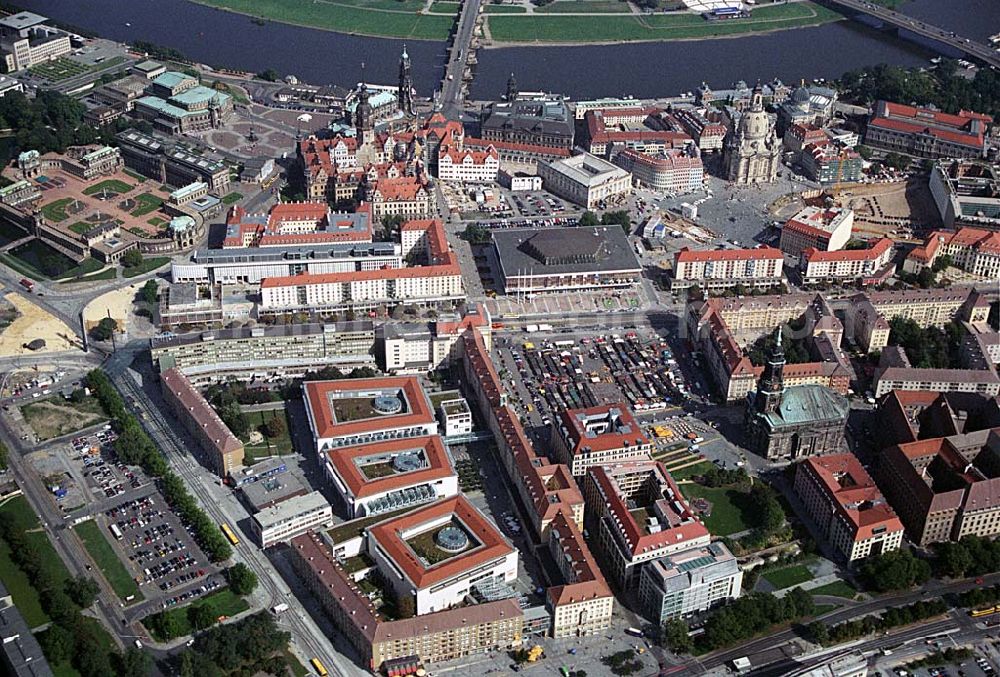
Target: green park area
column 556, row 22
column 835, row 589
column 109, row 185
column 146, row 266
column 556, row 26
column 145, row 204
column 278, row 443
column 57, row 416
column 56, row 210
column 392, row 18
column 18, row 516
column 732, row 509
column 221, row 603
column 789, row 576
column 232, row 198
column 102, row 552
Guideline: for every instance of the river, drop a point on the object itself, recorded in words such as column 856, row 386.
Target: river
column 216, row 37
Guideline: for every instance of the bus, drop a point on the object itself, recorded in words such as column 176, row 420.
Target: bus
column 229, row 534
column 115, row 531
column 635, row 632
column 988, row 611
column 319, row 667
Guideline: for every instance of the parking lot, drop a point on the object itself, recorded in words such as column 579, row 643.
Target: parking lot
column 104, row 479
column 161, row 552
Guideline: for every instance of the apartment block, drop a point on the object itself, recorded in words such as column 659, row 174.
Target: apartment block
column 974, row 250
column 582, row 438
column 825, row 229
column 724, row 268
column 867, row 266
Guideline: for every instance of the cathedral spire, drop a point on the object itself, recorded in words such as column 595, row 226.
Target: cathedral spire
column 511, row 88
column 404, row 94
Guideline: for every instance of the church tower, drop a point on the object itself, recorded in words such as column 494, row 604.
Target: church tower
column 405, row 93
column 364, row 117
column 771, row 387
column 511, row 88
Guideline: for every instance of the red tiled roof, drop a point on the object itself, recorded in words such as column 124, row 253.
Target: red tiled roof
column 588, row 582
column 444, row 270
column 612, row 439
column 912, row 120
column 876, row 250
column 688, row 527
column 187, row 397
column 478, row 157
column 317, row 399
column 344, row 462
column 521, row 147
column 853, row 493
column 758, row 254
column 492, row 544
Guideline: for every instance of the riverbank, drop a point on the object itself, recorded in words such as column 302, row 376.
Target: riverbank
column 563, row 22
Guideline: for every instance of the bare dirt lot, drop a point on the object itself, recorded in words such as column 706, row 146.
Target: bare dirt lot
column 34, row 323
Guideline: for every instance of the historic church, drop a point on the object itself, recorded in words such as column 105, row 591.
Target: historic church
column 751, row 150
column 784, row 424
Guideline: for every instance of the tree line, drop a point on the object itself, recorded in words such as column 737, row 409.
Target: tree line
column 252, row 645
column 71, row 637
column 893, row 617
column 135, row 447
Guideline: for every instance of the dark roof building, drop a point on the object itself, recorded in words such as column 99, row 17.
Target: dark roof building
column 558, row 259
column 534, row 119
column 22, row 656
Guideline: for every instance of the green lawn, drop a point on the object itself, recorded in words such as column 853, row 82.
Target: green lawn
column 281, row 445
column 19, row 514
column 824, row 608
column 147, row 202
column 444, row 7
column 82, row 227
column 107, row 274
column 689, row 472
column 504, row 9
column 111, row 185
column 156, row 221
column 56, row 210
column 107, row 560
column 392, row 18
column 86, row 267
column 731, row 509
column 671, row 26
column 223, row 603
column 232, row 198
column 789, row 576
column 147, row 265
column 836, row 589
column 585, row 7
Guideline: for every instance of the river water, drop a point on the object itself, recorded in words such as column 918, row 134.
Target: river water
column 221, row 38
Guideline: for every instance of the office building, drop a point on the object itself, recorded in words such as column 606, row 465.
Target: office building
column 944, row 488
column 358, row 411
column 468, row 166
column 846, row 506
column 643, row 130
column 966, row 193
column 702, row 126
column 981, row 381
column 440, row 636
column 600, row 435
column 297, row 224
column 406, row 347
column 440, row 552
column 565, row 259
column 926, row 132
column 27, row 40
column 387, row 476
column 529, row 118
column 714, row 269
column 454, row 413
column 824, row 229
column 224, row 450
column 637, row 514
column 689, row 582
column 290, row 518
column 585, row 180
column 582, row 603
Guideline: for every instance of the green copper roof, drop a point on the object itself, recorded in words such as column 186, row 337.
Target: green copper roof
column 171, row 79
column 808, row 404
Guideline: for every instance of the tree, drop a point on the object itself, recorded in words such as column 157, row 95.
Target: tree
column 234, row 418
column 477, row 233
column 57, row 643
column 942, row 262
column 82, row 590
column 242, row 580
column 269, row 75
column 588, row 218
column 104, row 329
column 149, row 291
column 619, row 218
column 275, row 427
column 135, row 663
column 200, row 616
column 819, row 631
column 676, row 636
column 953, row 559
column 132, row 258
column 895, row 570
column 406, row 606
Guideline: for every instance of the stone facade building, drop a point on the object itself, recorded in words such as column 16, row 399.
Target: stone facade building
column 752, row 151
